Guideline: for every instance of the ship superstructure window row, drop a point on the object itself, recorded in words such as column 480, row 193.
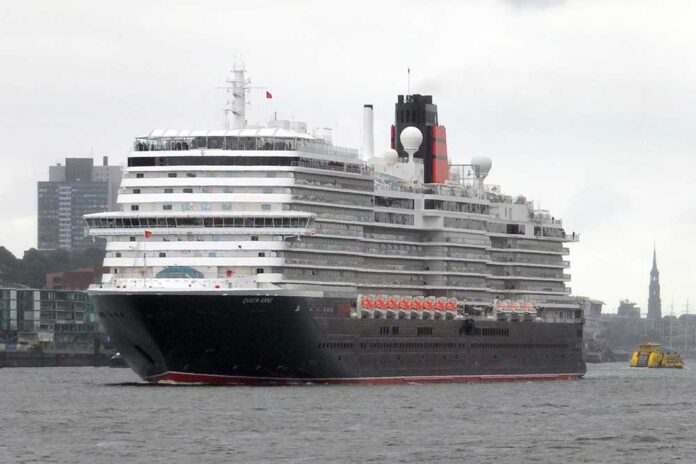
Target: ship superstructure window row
column 215, row 160
column 168, row 222
column 457, row 207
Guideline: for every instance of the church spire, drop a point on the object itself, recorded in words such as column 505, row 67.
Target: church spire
column 654, row 302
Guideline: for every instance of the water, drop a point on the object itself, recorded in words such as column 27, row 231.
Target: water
column 99, row 415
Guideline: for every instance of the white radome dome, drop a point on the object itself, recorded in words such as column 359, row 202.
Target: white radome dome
column 482, row 165
column 411, row 138
column 390, row 156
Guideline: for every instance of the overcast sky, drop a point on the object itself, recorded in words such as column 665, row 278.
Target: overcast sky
column 587, row 107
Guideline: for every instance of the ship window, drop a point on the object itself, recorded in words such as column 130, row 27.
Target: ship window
column 163, row 255
column 172, row 174
column 262, row 254
column 259, row 270
column 226, row 206
column 254, row 238
column 132, row 239
column 136, row 190
column 135, row 207
column 265, row 207
column 188, row 190
column 166, row 207
column 212, row 254
column 118, row 255
column 169, row 190
column 140, row 175
column 190, row 174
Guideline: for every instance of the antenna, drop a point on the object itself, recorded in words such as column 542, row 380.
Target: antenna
column 671, row 313
column 409, row 82
column 686, row 327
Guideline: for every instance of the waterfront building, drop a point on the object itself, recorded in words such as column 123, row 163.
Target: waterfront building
column 74, row 189
column 52, row 319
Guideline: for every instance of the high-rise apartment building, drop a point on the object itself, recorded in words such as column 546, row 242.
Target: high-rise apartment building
column 74, row 189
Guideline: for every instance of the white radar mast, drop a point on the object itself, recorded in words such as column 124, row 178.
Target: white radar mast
column 235, row 99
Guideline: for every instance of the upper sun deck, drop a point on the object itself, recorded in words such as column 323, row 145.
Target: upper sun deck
column 247, row 139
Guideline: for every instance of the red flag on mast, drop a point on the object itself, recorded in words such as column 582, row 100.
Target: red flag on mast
column 269, row 95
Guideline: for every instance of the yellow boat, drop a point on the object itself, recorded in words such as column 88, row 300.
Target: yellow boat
column 649, row 354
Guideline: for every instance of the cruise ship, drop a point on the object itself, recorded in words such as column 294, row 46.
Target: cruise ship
column 268, row 255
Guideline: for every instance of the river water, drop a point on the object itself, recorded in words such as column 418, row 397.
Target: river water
column 100, row 415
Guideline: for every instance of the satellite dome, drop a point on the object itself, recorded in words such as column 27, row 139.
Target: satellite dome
column 411, row 138
column 390, row 156
column 482, row 166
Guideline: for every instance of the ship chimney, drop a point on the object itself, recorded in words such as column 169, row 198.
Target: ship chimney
column 368, row 147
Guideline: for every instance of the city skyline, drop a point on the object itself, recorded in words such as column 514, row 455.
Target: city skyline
column 598, row 131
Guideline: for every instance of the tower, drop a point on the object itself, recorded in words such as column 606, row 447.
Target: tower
column 654, row 303
column 419, row 111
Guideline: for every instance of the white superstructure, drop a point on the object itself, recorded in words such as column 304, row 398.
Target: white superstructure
column 269, row 209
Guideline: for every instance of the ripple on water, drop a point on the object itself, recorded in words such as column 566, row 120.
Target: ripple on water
column 87, row 415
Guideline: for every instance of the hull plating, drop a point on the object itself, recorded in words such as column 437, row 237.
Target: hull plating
column 293, row 340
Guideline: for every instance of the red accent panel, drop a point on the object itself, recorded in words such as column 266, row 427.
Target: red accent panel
column 185, row 377
column 393, row 137
column 440, row 167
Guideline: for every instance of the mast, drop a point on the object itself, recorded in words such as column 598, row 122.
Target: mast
column 235, row 98
column 671, row 314
column 686, row 327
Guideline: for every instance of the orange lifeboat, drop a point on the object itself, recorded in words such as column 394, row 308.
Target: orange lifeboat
column 417, row 303
column 451, row 304
column 440, row 304
column 404, row 302
column 367, row 302
column 392, row 302
column 380, row 302
column 428, row 303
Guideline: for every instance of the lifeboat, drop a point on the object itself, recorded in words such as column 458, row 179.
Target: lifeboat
column 366, row 306
column 417, row 303
column 440, row 307
column 416, row 307
column 404, row 306
column 428, row 307
column 392, row 307
column 380, row 306
column 451, row 308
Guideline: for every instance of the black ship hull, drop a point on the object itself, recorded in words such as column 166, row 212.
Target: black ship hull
column 237, row 339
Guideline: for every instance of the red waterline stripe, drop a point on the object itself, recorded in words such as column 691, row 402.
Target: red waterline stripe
column 184, row 377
